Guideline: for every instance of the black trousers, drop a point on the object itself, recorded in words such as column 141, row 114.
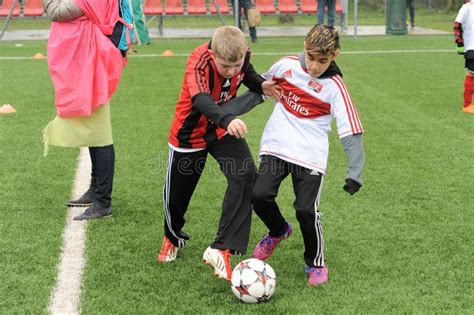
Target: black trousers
column 411, row 10
column 307, row 186
column 182, row 176
column 102, row 176
column 245, row 7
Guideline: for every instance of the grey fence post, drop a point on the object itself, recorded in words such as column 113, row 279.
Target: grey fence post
column 236, row 12
column 7, row 21
column 345, row 11
column 356, row 8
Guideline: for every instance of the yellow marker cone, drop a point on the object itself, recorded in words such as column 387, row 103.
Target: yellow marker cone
column 7, row 109
column 38, row 56
column 168, row 53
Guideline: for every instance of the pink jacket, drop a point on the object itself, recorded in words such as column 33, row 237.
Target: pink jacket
column 84, row 64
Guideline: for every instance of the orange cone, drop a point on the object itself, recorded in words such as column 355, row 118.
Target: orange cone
column 7, row 109
column 38, row 56
column 168, row 53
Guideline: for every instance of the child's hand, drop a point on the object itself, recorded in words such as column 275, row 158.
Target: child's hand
column 351, row 186
column 272, row 89
column 237, row 128
column 459, row 50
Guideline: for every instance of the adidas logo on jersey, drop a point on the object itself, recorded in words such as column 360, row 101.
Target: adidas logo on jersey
column 227, row 83
column 315, row 86
column 287, row 74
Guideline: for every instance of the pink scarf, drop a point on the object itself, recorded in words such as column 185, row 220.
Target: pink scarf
column 84, row 64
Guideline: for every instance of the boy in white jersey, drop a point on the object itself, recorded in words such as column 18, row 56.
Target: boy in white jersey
column 295, row 141
column 464, row 38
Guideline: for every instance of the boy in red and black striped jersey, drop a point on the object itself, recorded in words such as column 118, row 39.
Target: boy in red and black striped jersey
column 214, row 72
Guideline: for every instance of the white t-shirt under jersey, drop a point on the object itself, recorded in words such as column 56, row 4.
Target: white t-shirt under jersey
column 466, row 18
column 297, row 131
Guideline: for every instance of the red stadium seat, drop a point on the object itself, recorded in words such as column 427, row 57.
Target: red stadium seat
column 309, row 6
column 266, row 6
column 287, row 6
column 196, row 7
column 174, row 7
column 6, row 6
column 33, row 8
column 153, row 7
column 339, row 8
column 223, row 6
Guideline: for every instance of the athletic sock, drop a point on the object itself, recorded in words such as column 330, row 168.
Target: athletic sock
column 468, row 90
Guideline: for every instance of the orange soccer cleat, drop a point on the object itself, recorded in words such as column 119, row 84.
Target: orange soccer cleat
column 168, row 251
column 468, row 109
column 220, row 260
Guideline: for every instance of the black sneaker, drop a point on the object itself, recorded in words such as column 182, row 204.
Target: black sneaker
column 83, row 201
column 94, row 212
column 183, row 235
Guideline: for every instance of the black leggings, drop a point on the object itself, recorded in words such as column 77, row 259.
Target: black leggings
column 103, row 164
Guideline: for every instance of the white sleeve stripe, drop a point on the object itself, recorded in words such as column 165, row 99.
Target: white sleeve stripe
column 346, row 102
column 354, row 120
column 350, row 105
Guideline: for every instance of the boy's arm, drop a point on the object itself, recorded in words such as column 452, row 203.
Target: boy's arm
column 458, row 39
column 197, row 79
column 206, row 105
column 354, row 148
column 253, row 80
column 350, row 132
column 458, row 31
column 243, row 104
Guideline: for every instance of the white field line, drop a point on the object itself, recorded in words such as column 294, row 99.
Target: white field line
column 362, row 52
column 65, row 298
column 342, row 52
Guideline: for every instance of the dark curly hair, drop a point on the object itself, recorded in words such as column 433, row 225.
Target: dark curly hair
column 322, row 38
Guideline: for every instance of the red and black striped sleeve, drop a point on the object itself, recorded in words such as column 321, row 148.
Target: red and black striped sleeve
column 197, row 72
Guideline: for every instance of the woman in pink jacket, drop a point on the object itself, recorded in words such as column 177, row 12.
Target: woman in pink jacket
column 85, row 67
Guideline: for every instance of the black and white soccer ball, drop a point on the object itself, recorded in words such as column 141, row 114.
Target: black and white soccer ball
column 253, row 281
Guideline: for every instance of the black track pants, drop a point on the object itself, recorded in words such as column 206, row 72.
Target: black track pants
column 182, row 176
column 307, row 186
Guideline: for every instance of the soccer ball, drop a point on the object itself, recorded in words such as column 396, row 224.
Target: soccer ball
column 253, row 281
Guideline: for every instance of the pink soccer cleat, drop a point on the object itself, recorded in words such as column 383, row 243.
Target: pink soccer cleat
column 317, row 276
column 267, row 244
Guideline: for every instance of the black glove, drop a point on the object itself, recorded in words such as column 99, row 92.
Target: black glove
column 351, row 186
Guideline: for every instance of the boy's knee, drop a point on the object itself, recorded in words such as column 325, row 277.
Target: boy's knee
column 248, row 175
column 260, row 196
column 251, row 175
column 305, row 213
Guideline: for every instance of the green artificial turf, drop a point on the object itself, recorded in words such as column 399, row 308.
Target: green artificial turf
column 403, row 244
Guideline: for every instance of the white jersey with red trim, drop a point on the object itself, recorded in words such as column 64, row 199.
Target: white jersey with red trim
column 297, row 131
column 466, row 18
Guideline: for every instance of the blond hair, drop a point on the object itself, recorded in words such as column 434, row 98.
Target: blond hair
column 322, row 39
column 228, row 43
